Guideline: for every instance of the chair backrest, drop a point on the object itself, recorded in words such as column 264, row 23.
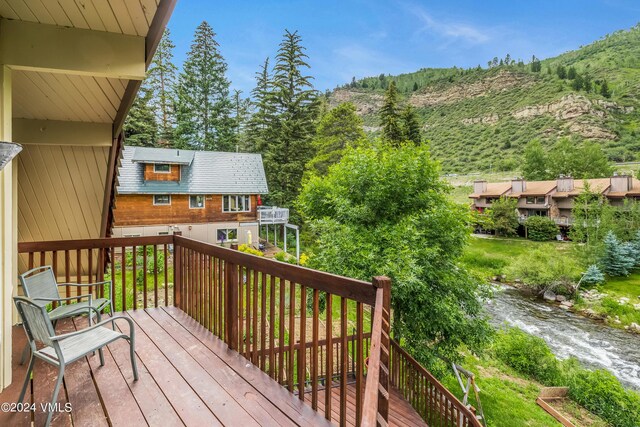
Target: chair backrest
column 35, row 319
column 40, row 282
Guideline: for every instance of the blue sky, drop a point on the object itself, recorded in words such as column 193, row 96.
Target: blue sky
column 363, row 38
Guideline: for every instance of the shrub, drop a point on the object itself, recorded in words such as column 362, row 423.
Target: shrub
column 618, row 258
column 285, row 257
column 541, row 228
column 601, row 393
column 542, row 268
column 249, row 250
column 504, row 216
column 528, row 355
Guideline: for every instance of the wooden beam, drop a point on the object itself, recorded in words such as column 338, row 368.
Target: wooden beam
column 56, row 132
column 39, row 47
column 159, row 23
column 110, row 185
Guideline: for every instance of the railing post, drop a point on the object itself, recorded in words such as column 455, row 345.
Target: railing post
column 177, row 272
column 383, row 392
column 231, row 303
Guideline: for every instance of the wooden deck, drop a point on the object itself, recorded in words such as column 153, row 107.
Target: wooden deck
column 187, row 377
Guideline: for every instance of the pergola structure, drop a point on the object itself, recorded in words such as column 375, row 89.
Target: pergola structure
column 69, row 73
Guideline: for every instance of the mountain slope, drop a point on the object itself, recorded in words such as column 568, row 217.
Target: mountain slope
column 479, row 119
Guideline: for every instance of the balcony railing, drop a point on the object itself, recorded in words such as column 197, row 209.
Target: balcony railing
column 313, row 332
column 273, row 215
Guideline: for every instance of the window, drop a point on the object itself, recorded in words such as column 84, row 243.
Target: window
column 196, row 202
column 540, row 200
column 531, row 200
column 163, row 233
column 490, row 200
column 161, row 168
column 236, row 203
column 161, row 199
column 227, row 234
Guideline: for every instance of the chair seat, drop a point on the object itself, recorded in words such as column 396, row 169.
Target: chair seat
column 77, row 346
column 74, row 309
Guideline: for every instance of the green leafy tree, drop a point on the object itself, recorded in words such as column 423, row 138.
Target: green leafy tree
column 536, row 67
column 562, row 158
column 586, row 160
column 204, row 108
column 140, row 126
column 604, row 89
column 534, row 162
column 561, row 71
column 339, row 129
column 162, row 77
column 541, row 228
column 410, row 125
column 390, row 116
column 578, row 82
column 294, row 102
column 587, row 83
column 592, row 219
column 617, row 259
column 504, row 216
column 390, row 211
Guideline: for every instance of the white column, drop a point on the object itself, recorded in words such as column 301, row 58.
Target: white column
column 8, row 231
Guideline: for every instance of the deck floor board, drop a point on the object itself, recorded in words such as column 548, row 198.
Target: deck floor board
column 188, row 377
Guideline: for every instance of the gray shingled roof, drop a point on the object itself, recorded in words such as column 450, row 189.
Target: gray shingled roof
column 210, row 172
column 162, row 156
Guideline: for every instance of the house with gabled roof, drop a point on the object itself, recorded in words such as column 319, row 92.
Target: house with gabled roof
column 209, row 196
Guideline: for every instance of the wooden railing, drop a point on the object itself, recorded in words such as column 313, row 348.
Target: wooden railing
column 436, row 405
column 290, row 321
column 139, row 267
column 286, row 320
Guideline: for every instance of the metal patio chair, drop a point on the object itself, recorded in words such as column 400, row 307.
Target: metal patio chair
column 41, row 286
column 61, row 350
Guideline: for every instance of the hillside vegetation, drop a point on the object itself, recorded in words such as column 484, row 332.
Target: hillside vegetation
column 481, row 118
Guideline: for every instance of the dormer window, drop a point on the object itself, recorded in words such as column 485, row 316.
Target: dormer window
column 161, row 168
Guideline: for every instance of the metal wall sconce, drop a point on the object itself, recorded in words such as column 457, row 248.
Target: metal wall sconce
column 8, row 150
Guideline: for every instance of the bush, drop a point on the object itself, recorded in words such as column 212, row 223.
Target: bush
column 249, row 250
column 542, row 269
column 285, row 257
column 504, row 216
column 541, row 228
column 601, row 393
column 528, row 355
column 618, row 258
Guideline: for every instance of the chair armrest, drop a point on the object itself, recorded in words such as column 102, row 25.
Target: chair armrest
column 104, row 322
column 66, row 299
column 85, row 284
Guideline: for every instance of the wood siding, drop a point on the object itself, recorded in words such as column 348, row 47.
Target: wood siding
column 151, row 175
column 138, row 209
column 60, row 192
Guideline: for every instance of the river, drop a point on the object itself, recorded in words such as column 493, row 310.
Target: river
column 594, row 344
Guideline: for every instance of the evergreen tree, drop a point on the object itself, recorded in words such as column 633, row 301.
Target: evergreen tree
column 507, row 59
column 140, row 126
column 294, row 103
column 536, row 67
column 390, row 116
column 534, row 164
column 604, row 89
column 410, row 126
column 337, row 130
column 571, row 73
column 415, row 86
column 587, row 84
column 577, row 83
column 616, row 259
column 162, row 80
column 593, row 276
column 240, row 117
column 263, row 115
column 561, row 72
column 204, row 109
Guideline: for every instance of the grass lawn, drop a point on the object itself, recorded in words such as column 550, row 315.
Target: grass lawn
column 509, row 399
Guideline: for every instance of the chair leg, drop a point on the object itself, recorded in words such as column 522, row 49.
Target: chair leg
column 25, row 353
column 26, row 380
column 100, row 352
column 132, row 354
column 56, row 390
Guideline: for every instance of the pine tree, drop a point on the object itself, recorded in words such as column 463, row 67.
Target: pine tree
column 536, row 67
column 337, row 130
column 593, row 276
column 604, row 89
column 561, row 72
column 204, row 109
column 140, row 126
column 587, row 84
column 616, row 259
column 263, row 110
column 240, row 118
column 415, row 85
column 294, row 103
column 390, row 116
column 572, row 73
column 410, row 126
column 578, row 82
column 162, row 80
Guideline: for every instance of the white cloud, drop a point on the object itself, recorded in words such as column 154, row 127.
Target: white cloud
column 448, row 29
